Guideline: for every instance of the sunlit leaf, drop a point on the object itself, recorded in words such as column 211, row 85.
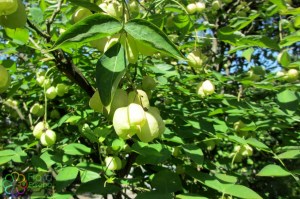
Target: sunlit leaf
column 273, row 170
column 90, row 28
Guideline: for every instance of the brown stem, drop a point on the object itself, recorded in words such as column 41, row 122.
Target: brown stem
column 66, row 66
column 41, row 33
column 54, row 14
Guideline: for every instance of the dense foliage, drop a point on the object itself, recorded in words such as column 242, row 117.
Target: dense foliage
column 221, row 76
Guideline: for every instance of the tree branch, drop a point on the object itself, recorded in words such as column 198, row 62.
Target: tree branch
column 41, row 33
column 131, row 159
column 66, row 66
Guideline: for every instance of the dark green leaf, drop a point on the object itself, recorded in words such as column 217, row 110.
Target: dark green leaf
column 150, row 153
column 194, row 152
column 159, row 182
column 152, row 36
column 76, row 149
column 110, row 69
column 90, row 166
column 38, row 163
column 65, row 177
column 93, row 27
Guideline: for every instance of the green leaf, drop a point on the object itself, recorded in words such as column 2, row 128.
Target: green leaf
column 271, row 10
column 194, row 152
column 259, row 41
column 254, row 142
column 237, row 139
column 39, row 163
column 48, row 159
column 291, row 11
column 287, row 99
column 90, row 28
column 280, row 4
column 205, row 179
column 241, row 22
column 248, row 53
column 76, row 149
column 273, row 170
column 286, row 96
column 228, row 35
column 150, row 153
column 89, row 134
column 240, row 191
column 285, row 59
column 226, row 178
column 110, row 69
column 152, row 36
column 7, row 153
column 65, row 177
column 36, row 15
column 90, row 166
column 290, row 39
column 159, row 182
column 86, row 176
column 61, row 196
column 19, row 35
column 5, row 159
column 20, row 156
column 102, row 133
column 190, row 196
column 72, row 119
column 86, row 4
column 231, row 189
column 291, row 154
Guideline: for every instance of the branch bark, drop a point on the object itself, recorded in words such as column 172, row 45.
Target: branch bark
column 66, row 66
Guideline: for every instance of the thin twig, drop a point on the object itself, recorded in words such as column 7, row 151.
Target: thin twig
column 41, row 33
column 52, row 18
column 40, row 49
